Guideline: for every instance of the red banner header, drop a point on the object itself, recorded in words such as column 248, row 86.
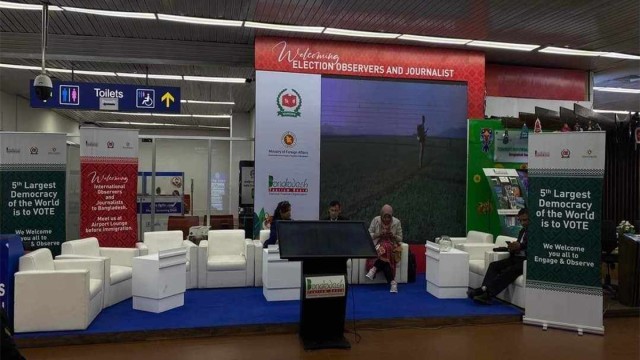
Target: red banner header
column 375, row 60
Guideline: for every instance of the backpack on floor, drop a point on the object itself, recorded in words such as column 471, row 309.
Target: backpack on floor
column 412, row 268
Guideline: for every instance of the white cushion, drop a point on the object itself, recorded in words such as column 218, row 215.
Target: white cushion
column 226, row 262
column 95, row 286
column 226, row 242
column 476, row 266
column 163, row 240
column 40, row 259
column 479, row 237
column 120, row 273
column 87, row 246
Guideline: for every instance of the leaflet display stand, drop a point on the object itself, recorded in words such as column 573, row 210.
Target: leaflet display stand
column 324, row 248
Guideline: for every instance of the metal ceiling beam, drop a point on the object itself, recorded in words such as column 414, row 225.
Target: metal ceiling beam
column 128, row 50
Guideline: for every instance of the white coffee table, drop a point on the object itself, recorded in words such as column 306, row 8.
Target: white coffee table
column 159, row 280
column 447, row 272
column 280, row 278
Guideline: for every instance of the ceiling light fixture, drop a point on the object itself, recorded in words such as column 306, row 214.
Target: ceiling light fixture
column 95, row 73
column 617, row 90
column 503, row 45
column 279, row 27
column 215, row 79
column 20, row 67
column 612, row 111
column 207, row 102
column 434, row 40
column 566, row 51
column 222, row 116
column 616, row 55
column 20, row 6
column 199, row 21
column 356, row 33
column 55, row 70
column 120, row 14
column 132, row 75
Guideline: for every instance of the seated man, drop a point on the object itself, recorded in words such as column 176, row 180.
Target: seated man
column 502, row 273
column 334, row 212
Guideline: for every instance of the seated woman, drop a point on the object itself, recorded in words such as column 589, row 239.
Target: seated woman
column 282, row 212
column 386, row 232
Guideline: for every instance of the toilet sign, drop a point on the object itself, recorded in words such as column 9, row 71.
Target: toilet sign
column 110, row 97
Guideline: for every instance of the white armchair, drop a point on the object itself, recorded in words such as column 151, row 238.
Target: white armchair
column 53, row 295
column 164, row 240
column 402, row 269
column 481, row 255
column 226, row 259
column 474, row 237
column 257, row 255
column 118, row 266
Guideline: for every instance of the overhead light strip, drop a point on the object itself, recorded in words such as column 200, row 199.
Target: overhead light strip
column 278, row 27
column 215, row 79
column 566, row 51
column 616, row 55
column 503, row 45
column 20, row 6
column 207, row 102
column 120, row 14
column 200, row 116
column 357, row 33
column 161, row 124
column 612, row 111
column 434, row 40
column 616, row 90
column 199, row 21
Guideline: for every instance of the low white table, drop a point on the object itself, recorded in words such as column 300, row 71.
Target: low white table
column 280, row 278
column 159, row 280
column 447, row 272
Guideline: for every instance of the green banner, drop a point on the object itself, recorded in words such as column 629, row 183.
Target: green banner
column 33, row 206
column 565, row 213
column 482, row 212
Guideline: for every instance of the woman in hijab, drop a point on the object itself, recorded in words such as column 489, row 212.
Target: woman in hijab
column 282, row 212
column 386, row 232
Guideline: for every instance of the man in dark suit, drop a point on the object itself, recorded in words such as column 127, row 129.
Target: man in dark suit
column 502, row 273
column 334, row 212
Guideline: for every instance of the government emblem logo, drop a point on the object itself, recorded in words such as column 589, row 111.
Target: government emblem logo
column 289, row 103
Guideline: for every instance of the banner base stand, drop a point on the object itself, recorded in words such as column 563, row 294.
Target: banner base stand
column 564, row 326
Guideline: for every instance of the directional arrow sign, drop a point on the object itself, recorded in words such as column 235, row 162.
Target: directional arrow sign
column 167, row 98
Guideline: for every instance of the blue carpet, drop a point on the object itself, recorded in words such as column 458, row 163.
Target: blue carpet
column 247, row 306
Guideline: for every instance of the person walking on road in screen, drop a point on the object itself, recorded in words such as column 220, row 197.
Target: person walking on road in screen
column 334, row 212
column 422, row 137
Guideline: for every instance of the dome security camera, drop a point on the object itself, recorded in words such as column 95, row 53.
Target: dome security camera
column 43, row 87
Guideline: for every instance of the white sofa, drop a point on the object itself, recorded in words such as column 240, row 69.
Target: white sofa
column 402, row 269
column 481, row 255
column 165, row 240
column 118, row 265
column 226, row 259
column 475, row 237
column 53, row 295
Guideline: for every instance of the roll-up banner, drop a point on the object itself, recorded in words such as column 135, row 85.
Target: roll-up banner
column 32, row 178
column 109, row 175
column 287, row 150
column 563, row 285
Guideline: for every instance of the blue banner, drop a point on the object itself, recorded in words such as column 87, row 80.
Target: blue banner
column 110, row 97
column 10, row 251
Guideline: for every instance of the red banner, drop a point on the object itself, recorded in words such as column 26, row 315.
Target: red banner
column 109, row 177
column 536, row 83
column 376, row 60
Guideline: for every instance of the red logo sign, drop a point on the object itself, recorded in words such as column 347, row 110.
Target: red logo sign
column 289, row 100
column 565, row 153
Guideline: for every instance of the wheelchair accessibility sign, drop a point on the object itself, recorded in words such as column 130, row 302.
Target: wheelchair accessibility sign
column 145, row 98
